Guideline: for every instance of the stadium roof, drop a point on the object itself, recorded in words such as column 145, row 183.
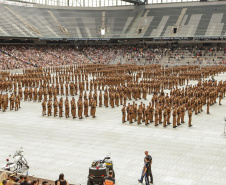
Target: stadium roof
column 99, row 3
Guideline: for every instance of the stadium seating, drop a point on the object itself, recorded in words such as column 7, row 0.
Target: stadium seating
column 190, row 21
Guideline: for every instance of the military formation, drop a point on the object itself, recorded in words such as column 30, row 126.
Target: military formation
column 164, row 107
column 95, row 85
column 72, row 108
column 12, row 101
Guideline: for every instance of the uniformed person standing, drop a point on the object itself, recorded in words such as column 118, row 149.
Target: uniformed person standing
column 73, row 108
column 169, row 114
column 67, row 107
column 165, row 113
column 189, row 116
column 94, row 108
column 123, row 114
column 174, row 117
column 182, row 113
column 86, row 107
column 131, row 114
column 156, row 116
column 100, row 99
column 139, row 115
column 61, row 107
column 208, row 106
column 146, row 112
column 44, row 108
column 55, row 104
column 106, row 98
column 49, row 108
column 127, row 110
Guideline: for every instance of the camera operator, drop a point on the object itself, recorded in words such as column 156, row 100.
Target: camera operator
column 147, row 169
column 109, row 180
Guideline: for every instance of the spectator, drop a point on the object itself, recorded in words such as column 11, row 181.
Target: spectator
column 3, row 176
column 26, row 181
column 61, row 180
column 45, row 183
column 4, row 182
column 21, row 178
column 35, row 182
column 11, row 179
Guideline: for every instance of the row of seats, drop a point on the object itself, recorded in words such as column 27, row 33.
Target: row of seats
column 196, row 21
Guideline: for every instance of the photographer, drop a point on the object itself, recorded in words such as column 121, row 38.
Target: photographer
column 147, row 169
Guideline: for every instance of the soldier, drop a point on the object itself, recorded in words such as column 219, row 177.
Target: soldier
column 151, row 112
column 182, row 113
column 90, row 97
column 112, row 99
column 196, row 106
column 25, row 94
column 67, row 108
column 123, row 114
column 73, row 108
column 21, row 94
column 44, row 108
column 189, row 116
column 61, row 107
column 106, row 98
column 80, row 108
column 127, row 110
column 165, row 113
column 131, row 111
column 11, row 102
column 94, row 108
column 121, row 97
column 17, row 103
column 174, row 117
column 49, row 108
column 208, row 106
column 91, row 110
column 178, row 115
column 100, row 99
column 146, row 112
column 86, row 107
column 40, row 95
column 35, row 94
column 61, row 88
column 139, row 115
column 117, row 96
column 125, row 98
column 169, row 114
column 45, row 94
column 145, row 93
column 55, row 104
column 156, row 116
column 135, row 112
column 4, row 103
column 160, row 114
column 143, row 115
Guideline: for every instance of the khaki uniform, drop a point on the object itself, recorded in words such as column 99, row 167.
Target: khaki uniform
column 139, row 115
column 189, row 116
column 123, row 114
column 44, row 108
column 86, row 107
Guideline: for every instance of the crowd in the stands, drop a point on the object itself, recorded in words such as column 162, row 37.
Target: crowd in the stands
column 29, row 56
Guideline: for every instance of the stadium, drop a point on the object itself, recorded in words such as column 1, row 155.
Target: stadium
column 87, row 80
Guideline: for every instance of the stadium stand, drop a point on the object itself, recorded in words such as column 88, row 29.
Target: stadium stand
column 178, row 21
